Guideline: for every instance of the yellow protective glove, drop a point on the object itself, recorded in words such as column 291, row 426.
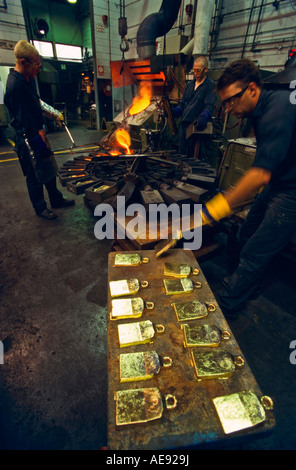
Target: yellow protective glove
column 215, row 210
column 59, row 119
column 52, row 113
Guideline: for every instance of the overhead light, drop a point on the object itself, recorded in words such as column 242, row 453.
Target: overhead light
column 72, row 1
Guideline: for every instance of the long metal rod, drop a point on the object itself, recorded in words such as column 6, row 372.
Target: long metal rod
column 268, row 31
column 257, row 25
column 246, row 9
column 216, row 27
column 247, row 32
column 262, row 44
column 69, row 135
column 95, row 68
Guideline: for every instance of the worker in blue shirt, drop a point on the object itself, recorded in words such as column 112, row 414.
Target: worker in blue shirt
column 197, row 103
column 271, row 221
column 31, row 143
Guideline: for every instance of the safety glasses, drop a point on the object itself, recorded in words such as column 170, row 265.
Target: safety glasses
column 35, row 66
column 233, row 99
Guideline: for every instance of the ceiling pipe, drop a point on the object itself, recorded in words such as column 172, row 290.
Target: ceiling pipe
column 156, row 25
column 187, row 50
column 198, row 45
column 204, row 14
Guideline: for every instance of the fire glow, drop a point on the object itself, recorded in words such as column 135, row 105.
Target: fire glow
column 142, row 100
column 124, row 140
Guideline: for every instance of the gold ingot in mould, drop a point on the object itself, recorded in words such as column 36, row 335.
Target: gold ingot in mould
column 203, row 335
column 138, row 333
column 126, row 287
column 141, row 365
column 241, row 410
column 102, row 188
column 178, row 270
column 128, row 308
column 193, row 310
column 80, row 183
column 214, row 364
column 141, row 405
column 129, row 259
column 180, row 286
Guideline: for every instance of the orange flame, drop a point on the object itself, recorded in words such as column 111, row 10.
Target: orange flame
column 124, row 140
column 142, row 100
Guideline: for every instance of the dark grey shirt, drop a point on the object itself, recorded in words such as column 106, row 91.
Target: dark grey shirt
column 274, row 121
column 23, row 104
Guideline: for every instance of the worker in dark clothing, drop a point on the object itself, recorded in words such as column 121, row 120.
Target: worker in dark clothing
column 32, row 146
column 197, row 103
column 271, row 221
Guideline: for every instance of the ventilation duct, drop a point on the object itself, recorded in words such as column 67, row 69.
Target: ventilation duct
column 203, row 19
column 198, row 45
column 155, row 26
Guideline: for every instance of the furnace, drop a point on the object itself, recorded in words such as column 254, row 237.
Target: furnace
column 137, row 161
column 126, row 167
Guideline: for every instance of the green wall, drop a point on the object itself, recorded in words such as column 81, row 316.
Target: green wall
column 67, row 23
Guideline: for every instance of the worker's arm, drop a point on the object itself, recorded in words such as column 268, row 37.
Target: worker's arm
column 52, row 113
column 248, row 186
column 222, row 205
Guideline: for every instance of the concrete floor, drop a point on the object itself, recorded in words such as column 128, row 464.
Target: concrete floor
column 53, row 319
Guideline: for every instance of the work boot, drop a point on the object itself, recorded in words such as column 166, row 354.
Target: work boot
column 46, row 214
column 258, row 290
column 229, row 314
column 63, row 203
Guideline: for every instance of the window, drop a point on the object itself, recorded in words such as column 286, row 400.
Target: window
column 44, row 48
column 66, row 52
column 63, row 51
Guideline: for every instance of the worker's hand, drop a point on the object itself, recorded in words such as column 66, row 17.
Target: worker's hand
column 43, row 136
column 202, row 120
column 215, row 210
column 177, row 111
column 59, row 119
column 52, row 113
column 40, row 145
column 200, row 124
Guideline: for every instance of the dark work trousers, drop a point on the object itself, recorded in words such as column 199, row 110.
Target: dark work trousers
column 36, row 192
column 268, row 228
column 186, row 146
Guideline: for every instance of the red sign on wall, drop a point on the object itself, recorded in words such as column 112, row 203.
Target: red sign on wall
column 101, row 70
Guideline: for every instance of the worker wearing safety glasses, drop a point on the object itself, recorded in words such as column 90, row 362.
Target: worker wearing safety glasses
column 197, row 104
column 271, row 180
column 26, row 111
